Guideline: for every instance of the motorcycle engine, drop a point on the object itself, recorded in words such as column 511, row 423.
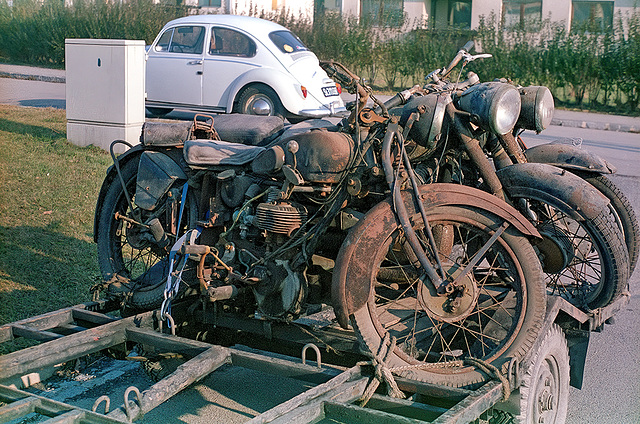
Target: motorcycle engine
column 266, row 232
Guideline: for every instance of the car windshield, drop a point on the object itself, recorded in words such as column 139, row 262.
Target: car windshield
column 287, row 42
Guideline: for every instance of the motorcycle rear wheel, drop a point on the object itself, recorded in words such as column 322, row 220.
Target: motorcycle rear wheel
column 584, row 261
column 123, row 249
column 499, row 316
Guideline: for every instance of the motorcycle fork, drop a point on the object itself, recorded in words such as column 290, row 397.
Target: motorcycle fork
column 501, row 159
column 475, row 152
column 510, row 144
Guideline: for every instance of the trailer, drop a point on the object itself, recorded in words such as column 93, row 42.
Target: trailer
column 346, row 387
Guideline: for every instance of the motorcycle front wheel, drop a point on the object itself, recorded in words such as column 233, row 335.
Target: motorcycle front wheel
column 129, row 250
column 495, row 314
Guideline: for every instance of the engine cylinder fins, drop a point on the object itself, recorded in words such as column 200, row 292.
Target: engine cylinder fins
column 280, row 218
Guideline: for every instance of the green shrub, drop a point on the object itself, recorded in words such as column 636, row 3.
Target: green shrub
column 583, row 67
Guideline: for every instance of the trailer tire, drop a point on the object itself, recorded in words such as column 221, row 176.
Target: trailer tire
column 544, row 394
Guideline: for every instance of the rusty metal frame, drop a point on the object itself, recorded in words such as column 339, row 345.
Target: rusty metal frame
column 98, row 332
column 74, row 332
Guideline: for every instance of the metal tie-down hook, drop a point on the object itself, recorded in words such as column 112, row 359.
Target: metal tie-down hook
column 318, row 356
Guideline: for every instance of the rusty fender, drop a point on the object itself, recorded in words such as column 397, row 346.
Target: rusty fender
column 569, row 157
column 131, row 154
column 549, row 184
column 346, row 298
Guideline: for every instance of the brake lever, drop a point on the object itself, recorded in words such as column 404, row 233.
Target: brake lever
column 471, row 57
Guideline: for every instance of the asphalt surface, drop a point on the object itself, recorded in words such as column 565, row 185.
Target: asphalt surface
column 611, row 392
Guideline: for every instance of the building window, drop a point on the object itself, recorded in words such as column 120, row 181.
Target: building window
column 460, row 13
column 517, row 12
column 210, row 3
column 389, row 13
column 594, row 15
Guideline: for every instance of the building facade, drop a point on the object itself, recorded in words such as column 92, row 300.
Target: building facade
column 438, row 13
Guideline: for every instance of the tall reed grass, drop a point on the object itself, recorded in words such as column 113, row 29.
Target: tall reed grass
column 33, row 31
column 583, row 67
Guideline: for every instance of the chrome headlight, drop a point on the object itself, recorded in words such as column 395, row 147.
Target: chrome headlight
column 495, row 105
column 537, row 108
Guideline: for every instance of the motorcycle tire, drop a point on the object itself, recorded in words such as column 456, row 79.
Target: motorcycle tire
column 584, row 261
column 622, row 212
column 122, row 249
column 501, row 308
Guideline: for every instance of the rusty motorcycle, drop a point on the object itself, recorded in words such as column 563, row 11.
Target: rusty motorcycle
column 466, row 132
column 253, row 220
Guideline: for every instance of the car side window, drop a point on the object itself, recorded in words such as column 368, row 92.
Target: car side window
column 227, row 42
column 182, row 39
column 164, row 41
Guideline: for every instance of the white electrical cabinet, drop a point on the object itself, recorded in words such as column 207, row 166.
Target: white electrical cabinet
column 104, row 91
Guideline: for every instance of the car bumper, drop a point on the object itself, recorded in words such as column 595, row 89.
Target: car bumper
column 329, row 110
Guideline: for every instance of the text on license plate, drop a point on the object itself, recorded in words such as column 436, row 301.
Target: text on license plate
column 330, row 91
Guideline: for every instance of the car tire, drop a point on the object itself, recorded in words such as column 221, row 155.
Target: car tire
column 260, row 100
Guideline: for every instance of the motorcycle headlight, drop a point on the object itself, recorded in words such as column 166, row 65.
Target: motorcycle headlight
column 426, row 130
column 537, row 108
column 495, row 105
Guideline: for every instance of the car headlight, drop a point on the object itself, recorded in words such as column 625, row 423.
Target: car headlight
column 495, row 105
column 537, row 108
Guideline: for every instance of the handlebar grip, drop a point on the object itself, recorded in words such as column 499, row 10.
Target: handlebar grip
column 458, row 56
column 396, row 100
column 332, row 72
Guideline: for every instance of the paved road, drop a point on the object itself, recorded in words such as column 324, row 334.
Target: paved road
column 611, row 392
column 32, row 93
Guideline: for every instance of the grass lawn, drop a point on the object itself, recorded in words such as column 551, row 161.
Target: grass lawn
column 48, row 191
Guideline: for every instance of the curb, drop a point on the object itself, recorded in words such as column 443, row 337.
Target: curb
column 603, row 126
column 31, row 77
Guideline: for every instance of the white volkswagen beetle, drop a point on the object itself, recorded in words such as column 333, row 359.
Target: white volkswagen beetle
column 230, row 63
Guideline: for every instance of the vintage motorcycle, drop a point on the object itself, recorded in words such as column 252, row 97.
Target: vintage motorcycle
column 381, row 216
column 453, row 128
column 271, row 223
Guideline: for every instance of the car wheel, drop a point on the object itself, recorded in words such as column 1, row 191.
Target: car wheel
column 260, row 100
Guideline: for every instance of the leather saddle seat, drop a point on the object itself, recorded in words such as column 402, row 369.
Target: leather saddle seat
column 242, row 139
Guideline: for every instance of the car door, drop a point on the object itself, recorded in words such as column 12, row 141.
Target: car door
column 174, row 66
column 230, row 54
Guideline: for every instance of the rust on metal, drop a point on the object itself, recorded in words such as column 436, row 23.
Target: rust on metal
column 573, row 195
column 569, row 157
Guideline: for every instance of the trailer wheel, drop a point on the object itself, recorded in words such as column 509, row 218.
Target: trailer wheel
column 544, row 394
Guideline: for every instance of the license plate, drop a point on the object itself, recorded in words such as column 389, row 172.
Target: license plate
column 330, row 91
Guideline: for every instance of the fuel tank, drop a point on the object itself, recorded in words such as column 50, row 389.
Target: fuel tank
column 322, row 155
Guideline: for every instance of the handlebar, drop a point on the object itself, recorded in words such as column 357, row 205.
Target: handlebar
column 461, row 53
column 401, row 97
